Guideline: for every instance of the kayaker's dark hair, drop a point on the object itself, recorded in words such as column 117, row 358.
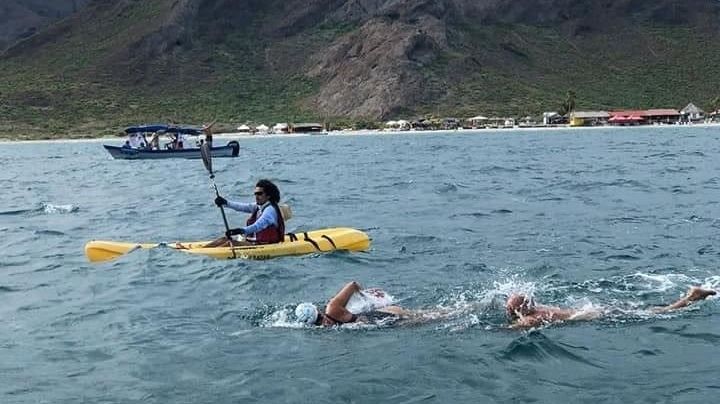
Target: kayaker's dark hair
column 273, row 194
column 271, row 190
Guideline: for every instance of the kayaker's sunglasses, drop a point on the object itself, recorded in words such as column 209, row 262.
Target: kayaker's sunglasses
column 258, row 193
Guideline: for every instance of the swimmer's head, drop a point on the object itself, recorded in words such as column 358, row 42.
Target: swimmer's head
column 519, row 305
column 307, row 313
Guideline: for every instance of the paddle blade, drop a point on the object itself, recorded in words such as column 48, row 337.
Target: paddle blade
column 99, row 251
column 206, row 154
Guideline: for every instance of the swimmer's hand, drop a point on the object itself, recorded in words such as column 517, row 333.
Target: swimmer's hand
column 698, row 293
column 527, row 322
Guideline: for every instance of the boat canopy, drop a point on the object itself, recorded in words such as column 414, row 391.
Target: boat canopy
column 163, row 128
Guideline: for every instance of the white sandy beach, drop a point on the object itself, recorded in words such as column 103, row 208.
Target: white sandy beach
column 239, row 135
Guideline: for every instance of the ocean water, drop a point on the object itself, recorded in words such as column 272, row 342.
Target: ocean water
column 617, row 219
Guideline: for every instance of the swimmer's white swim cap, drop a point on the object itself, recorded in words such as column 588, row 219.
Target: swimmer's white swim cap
column 306, row 313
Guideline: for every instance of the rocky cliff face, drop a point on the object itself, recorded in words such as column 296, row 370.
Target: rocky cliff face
column 20, row 19
column 379, row 58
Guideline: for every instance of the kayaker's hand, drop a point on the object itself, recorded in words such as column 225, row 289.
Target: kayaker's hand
column 220, row 201
column 233, row 232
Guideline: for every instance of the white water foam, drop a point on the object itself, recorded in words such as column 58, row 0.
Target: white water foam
column 661, row 282
column 283, row 318
column 50, row 208
column 369, row 300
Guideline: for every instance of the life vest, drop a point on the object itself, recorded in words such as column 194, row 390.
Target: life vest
column 270, row 235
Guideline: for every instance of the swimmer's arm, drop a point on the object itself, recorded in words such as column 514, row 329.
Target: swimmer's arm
column 557, row 314
column 683, row 302
column 336, row 305
column 694, row 294
column 342, row 297
column 546, row 315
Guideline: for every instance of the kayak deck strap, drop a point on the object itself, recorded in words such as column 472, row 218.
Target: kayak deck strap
column 306, row 237
column 326, row 237
column 311, row 241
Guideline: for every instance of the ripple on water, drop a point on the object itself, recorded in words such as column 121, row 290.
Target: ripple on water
column 708, row 337
column 536, row 347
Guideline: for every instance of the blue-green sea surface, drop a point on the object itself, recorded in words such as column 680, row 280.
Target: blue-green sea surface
column 615, row 219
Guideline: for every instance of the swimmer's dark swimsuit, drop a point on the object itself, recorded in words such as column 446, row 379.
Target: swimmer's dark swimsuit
column 336, row 321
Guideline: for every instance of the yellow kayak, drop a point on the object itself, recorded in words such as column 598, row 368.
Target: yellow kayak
column 315, row 241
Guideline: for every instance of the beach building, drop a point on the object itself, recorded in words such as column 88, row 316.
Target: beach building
column 450, row 123
column 478, row 121
column 589, row 118
column 527, row 122
column 306, row 128
column 627, row 118
column 244, row 129
column 692, row 113
column 397, row 125
column 662, row 116
column 262, row 129
column 422, row 124
column 553, row 118
column 714, row 116
column 500, row 122
column 280, row 128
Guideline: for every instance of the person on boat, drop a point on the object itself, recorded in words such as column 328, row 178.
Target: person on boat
column 207, row 130
column 184, row 141
column 135, row 141
column 154, row 142
column 178, row 141
column 265, row 224
column 522, row 312
column 336, row 313
column 127, row 145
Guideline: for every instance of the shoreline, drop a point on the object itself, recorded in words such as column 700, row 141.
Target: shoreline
column 377, row 132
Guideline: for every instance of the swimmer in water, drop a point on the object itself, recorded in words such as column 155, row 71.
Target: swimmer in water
column 336, row 313
column 522, row 312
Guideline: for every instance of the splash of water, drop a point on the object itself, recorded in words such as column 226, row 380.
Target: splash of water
column 368, row 300
column 283, row 318
column 50, row 208
column 660, row 282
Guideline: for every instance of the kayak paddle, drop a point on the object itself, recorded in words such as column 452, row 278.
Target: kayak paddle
column 206, row 154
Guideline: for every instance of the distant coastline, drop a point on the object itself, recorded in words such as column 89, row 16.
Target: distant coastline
column 377, row 132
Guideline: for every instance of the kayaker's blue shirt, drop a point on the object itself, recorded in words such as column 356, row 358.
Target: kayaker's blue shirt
column 267, row 218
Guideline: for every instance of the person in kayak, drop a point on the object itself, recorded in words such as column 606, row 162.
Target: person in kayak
column 336, row 313
column 265, row 224
column 522, row 312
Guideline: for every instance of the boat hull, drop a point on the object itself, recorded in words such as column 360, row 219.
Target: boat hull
column 232, row 149
column 317, row 241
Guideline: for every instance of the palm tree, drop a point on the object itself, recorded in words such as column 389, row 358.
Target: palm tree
column 715, row 104
column 568, row 105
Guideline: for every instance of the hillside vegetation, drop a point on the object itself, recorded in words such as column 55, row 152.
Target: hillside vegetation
column 119, row 62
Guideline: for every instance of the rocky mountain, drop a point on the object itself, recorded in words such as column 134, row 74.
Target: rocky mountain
column 23, row 18
column 114, row 62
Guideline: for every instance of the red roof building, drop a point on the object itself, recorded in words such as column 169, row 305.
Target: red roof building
column 629, row 117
